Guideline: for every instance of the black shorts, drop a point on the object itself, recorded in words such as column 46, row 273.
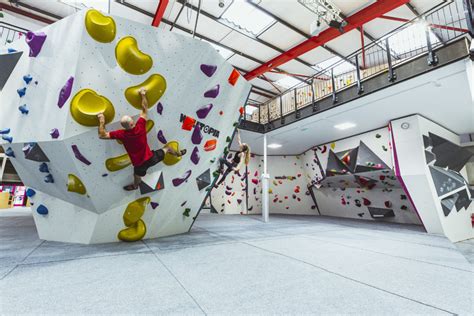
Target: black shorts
column 158, row 155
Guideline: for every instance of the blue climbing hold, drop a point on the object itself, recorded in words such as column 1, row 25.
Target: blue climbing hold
column 41, row 209
column 7, row 138
column 44, row 168
column 11, row 50
column 23, row 109
column 21, row 92
column 9, row 152
column 49, row 178
column 4, row 131
column 27, row 79
column 30, row 192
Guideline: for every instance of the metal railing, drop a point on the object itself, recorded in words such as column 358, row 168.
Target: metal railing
column 9, row 33
column 423, row 34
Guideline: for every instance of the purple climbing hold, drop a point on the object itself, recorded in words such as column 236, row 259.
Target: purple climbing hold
column 204, row 110
column 9, row 152
column 228, row 188
column 4, row 131
column 35, row 41
column 44, row 168
column 49, row 178
column 228, row 192
column 159, row 108
column 180, row 180
column 7, row 138
column 79, row 156
column 239, row 201
column 183, row 204
column 195, row 157
column 21, row 92
column 212, row 93
column 23, row 109
column 27, row 79
column 196, row 137
column 105, row 175
column 161, row 137
column 208, row 70
column 154, row 205
column 54, row 133
column 65, row 92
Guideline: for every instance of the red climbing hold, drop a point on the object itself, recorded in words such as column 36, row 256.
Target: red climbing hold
column 210, row 145
column 234, row 76
column 388, row 204
column 255, row 181
column 221, row 112
column 366, row 202
column 188, row 123
column 241, row 111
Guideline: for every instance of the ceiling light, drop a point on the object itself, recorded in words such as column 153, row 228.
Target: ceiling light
column 344, row 126
column 273, row 146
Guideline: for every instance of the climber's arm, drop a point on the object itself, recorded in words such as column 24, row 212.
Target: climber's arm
column 144, row 112
column 103, row 134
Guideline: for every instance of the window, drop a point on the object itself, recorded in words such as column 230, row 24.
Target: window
column 246, row 18
column 287, row 82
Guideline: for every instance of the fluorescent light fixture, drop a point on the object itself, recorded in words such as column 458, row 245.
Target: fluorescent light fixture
column 344, row 126
column 274, row 146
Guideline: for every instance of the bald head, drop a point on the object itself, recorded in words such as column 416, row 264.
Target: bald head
column 127, row 122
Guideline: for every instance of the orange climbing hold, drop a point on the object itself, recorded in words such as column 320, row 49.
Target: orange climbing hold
column 188, row 123
column 210, row 145
column 234, row 76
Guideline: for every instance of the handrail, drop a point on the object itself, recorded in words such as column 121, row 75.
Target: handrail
column 442, row 24
column 9, row 32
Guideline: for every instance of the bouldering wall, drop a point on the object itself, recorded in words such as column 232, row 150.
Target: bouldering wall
column 354, row 178
column 89, row 63
column 431, row 164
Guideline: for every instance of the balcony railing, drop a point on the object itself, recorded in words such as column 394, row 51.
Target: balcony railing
column 9, row 33
column 421, row 35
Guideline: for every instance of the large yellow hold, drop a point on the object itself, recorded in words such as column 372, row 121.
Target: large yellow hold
column 132, row 219
column 170, row 159
column 100, row 27
column 130, row 58
column 74, row 184
column 85, row 106
column 155, row 86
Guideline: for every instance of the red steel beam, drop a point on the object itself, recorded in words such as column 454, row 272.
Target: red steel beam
column 25, row 13
column 437, row 26
column 160, row 11
column 356, row 20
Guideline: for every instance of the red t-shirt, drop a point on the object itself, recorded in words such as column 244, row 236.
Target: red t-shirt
column 135, row 142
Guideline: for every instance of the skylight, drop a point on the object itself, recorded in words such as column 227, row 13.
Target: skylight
column 287, row 82
column 411, row 38
column 246, row 18
column 81, row 4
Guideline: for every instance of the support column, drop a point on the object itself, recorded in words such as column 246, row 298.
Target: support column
column 264, row 179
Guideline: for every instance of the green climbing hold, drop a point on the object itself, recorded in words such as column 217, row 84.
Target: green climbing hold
column 213, row 160
column 186, row 212
column 384, row 148
column 236, row 123
column 378, row 136
column 215, row 173
column 226, row 151
column 1, row 15
column 228, row 139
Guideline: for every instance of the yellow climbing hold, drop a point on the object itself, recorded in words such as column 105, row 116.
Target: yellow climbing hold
column 169, row 159
column 149, row 126
column 74, row 184
column 130, row 58
column 155, row 86
column 118, row 163
column 85, row 106
column 133, row 233
column 100, row 27
column 333, row 145
column 132, row 219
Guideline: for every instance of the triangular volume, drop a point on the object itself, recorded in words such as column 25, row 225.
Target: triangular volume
column 448, row 203
column 348, row 158
column 7, row 64
column 429, row 156
column 426, row 141
column 376, row 212
column 445, row 181
column 35, row 153
column 204, row 179
column 152, row 182
column 463, row 201
column 367, row 160
column 160, row 184
column 366, row 183
column 449, row 154
column 335, row 166
column 145, row 188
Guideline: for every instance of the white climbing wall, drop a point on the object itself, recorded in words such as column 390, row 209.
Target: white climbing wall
column 70, row 51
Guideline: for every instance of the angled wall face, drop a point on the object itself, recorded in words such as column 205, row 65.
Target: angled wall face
column 86, row 64
column 432, row 165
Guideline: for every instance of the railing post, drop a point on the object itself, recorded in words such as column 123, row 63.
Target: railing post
column 392, row 76
column 259, row 110
column 313, row 97
column 360, row 87
column 334, row 96
column 297, row 113
column 269, row 122
column 432, row 57
column 282, row 118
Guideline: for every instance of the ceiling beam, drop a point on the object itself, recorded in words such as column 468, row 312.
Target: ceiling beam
column 436, row 26
column 30, row 15
column 257, row 39
column 297, row 30
column 260, row 93
column 160, row 11
column 361, row 17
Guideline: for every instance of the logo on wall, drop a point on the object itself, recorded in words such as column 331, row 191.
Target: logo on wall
column 189, row 123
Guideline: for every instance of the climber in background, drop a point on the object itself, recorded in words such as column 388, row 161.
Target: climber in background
column 243, row 155
column 135, row 142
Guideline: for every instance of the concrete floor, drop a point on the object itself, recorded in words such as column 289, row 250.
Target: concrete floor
column 237, row 265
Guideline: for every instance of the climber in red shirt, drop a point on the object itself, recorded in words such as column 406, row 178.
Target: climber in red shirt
column 135, row 142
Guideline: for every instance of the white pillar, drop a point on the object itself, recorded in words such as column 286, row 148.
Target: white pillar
column 265, row 178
